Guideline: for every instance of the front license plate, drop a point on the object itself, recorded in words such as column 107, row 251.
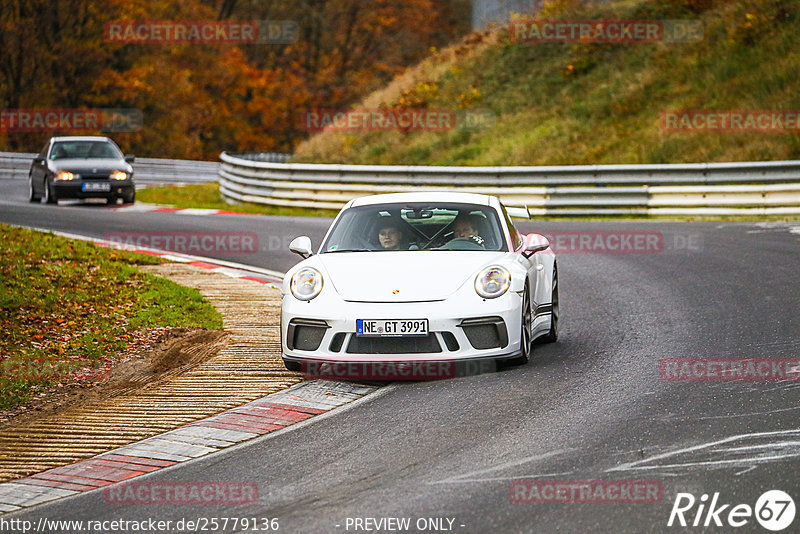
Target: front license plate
column 96, row 186
column 392, row 327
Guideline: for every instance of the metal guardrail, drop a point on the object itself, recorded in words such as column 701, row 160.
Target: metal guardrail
column 270, row 157
column 15, row 165
column 746, row 188
column 145, row 170
column 172, row 171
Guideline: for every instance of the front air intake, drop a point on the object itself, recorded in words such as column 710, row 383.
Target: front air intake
column 305, row 334
column 486, row 332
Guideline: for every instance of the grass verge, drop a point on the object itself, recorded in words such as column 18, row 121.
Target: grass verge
column 68, row 306
column 207, row 196
column 593, row 103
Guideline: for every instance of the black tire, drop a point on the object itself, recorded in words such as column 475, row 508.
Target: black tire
column 49, row 194
column 526, row 320
column 552, row 335
column 292, row 365
column 129, row 199
column 31, row 193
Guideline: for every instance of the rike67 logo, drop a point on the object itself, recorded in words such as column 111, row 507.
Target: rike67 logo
column 774, row 510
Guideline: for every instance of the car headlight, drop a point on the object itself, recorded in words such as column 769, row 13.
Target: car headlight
column 66, row 175
column 306, row 283
column 492, row 282
column 118, row 175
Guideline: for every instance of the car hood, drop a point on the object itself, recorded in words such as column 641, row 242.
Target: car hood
column 402, row 276
column 88, row 166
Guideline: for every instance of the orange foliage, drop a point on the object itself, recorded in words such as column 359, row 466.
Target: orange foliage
column 199, row 99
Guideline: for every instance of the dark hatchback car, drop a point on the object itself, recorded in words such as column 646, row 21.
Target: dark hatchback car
column 81, row 167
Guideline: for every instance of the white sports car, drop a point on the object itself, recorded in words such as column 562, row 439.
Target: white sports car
column 414, row 285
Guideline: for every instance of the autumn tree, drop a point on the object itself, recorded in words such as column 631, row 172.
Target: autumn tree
column 199, row 99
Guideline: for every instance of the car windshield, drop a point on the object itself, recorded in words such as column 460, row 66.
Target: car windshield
column 419, row 227
column 84, row 149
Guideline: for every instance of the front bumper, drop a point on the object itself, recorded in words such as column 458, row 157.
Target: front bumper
column 463, row 328
column 75, row 189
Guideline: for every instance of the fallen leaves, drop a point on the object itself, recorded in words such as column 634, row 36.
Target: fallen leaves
column 64, row 303
column 70, row 311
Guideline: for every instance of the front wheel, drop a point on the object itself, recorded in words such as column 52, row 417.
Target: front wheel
column 31, row 192
column 552, row 335
column 129, row 199
column 525, row 331
column 49, row 194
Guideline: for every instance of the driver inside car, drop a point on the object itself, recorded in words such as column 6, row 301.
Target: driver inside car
column 466, row 227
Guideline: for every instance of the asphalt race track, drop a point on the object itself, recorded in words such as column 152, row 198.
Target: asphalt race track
column 591, row 407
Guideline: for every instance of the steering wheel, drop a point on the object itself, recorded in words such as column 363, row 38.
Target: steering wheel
column 464, row 243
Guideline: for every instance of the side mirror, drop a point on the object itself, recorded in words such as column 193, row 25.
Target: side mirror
column 534, row 243
column 38, row 159
column 130, row 159
column 301, row 245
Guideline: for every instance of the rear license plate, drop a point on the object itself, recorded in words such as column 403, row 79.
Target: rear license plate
column 96, row 186
column 391, row 327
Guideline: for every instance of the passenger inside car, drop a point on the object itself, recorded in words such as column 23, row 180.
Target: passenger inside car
column 58, row 152
column 390, row 236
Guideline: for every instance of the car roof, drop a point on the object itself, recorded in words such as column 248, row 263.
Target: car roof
column 80, row 138
column 426, row 196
